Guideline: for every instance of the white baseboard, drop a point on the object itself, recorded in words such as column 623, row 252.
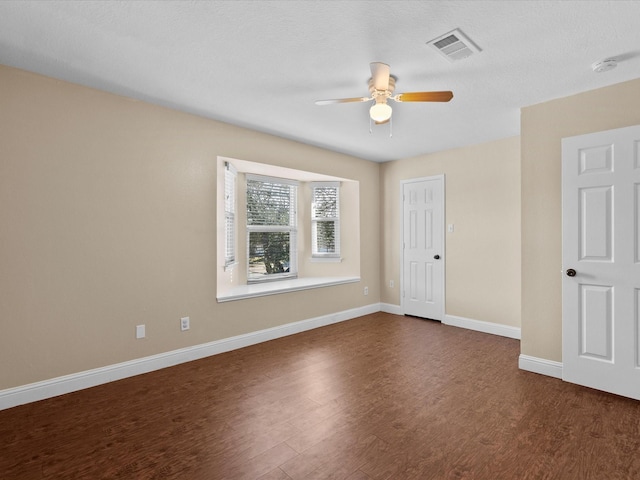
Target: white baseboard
column 480, row 326
column 393, row 309
column 90, row 378
column 540, row 365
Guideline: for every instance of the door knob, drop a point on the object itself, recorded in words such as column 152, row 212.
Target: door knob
column 437, row 257
column 571, row 272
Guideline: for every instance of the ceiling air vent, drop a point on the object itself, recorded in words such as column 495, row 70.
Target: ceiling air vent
column 454, row 45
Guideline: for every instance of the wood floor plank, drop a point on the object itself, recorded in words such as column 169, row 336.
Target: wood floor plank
column 308, row 420
column 257, row 466
column 358, row 475
column 306, row 438
column 338, row 456
column 380, row 397
column 275, row 474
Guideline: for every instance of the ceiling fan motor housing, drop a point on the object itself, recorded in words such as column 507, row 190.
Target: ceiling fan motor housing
column 380, row 96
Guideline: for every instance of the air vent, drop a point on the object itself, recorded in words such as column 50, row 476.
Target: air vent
column 454, row 45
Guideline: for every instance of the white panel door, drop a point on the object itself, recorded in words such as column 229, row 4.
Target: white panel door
column 423, row 248
column 601, row 260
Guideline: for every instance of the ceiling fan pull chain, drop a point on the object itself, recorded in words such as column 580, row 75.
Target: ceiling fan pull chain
column 370, row 127
column 391, row 127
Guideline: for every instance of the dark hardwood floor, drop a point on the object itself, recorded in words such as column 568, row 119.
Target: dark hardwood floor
column 378, row 397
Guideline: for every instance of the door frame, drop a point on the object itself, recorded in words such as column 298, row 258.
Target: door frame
column 442, row 179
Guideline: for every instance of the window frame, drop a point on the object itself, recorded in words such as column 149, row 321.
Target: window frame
column 230, row 215
column 291, row 228
column 315, row 220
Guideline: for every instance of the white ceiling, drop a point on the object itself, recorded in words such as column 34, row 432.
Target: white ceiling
column 262, row 64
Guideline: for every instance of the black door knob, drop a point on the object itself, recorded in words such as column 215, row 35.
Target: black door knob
column 437, row 257
column 571, row 272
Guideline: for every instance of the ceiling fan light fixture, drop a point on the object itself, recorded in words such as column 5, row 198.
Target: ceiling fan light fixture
column 380, row 112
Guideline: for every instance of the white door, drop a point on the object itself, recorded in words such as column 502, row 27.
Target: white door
column 423, row 248
column 601, row 260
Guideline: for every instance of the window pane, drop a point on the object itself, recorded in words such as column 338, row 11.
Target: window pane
column 230, row 213
column 269, row 254
column 270, row 203
column 230, row 239
column 325, row 202
column 230, row 190
column 325, row 237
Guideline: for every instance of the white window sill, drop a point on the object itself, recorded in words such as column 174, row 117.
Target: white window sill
column 283, row 286
column 326, row 259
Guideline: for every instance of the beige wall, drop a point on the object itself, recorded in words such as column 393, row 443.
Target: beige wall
column 542, row 128
column 482, row 196
column 107, row 220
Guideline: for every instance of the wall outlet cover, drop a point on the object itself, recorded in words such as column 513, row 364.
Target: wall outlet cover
column 140, row 331
column 184, row 323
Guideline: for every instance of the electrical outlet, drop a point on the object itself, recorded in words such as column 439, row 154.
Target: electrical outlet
column 391, row 283
column 184, row 323
column 366, row 290
column 140, row 331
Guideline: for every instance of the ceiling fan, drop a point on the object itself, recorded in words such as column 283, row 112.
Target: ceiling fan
column 381, row 86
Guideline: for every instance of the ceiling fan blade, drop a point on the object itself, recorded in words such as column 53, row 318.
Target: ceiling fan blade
column 423, row 97
column 380, row 73
column 343, row 100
